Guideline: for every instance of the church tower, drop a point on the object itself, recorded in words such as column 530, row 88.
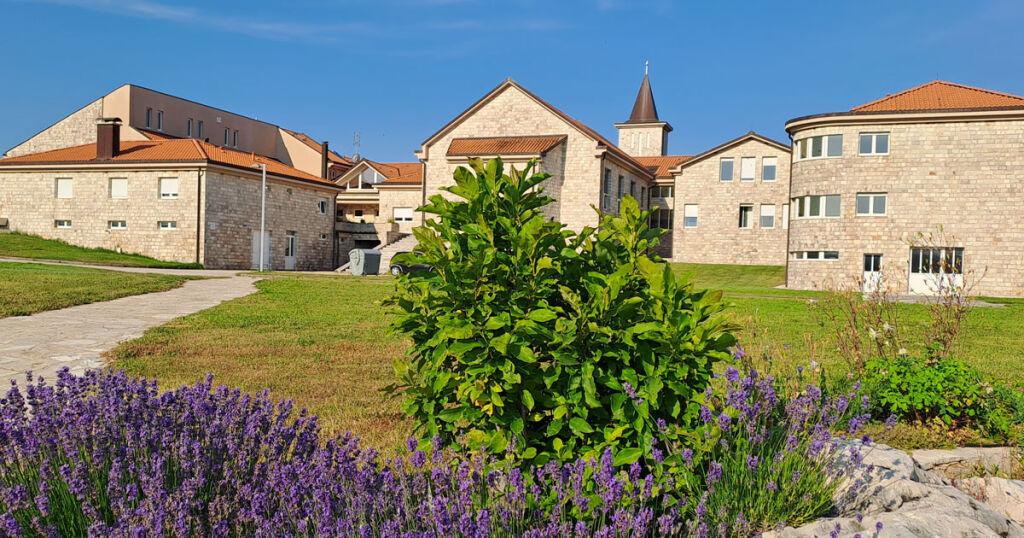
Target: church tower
column 644, row 135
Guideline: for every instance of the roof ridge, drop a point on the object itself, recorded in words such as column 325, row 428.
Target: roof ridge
column 199, row 147
column 933, row 83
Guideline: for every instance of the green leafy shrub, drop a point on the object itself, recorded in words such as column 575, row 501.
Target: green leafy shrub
column 925, row 390
column 560, row 343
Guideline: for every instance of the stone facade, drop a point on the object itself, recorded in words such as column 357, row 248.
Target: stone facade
column 401, row 196
column 959, row 180
column 510, row 111
column 231, row 211
column 76, row 129
column 718, row 238
column 643, row 139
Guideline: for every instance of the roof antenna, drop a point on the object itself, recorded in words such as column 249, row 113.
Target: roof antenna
column 646, row 65
column 355, row 146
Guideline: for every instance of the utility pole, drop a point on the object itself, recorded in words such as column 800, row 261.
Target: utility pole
column 263, row 209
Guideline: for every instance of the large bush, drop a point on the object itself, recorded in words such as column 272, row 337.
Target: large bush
column 560, row 343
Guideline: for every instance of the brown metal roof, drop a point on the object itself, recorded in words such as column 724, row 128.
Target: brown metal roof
column 644, row 110
column 504, row 145
column 941, row 95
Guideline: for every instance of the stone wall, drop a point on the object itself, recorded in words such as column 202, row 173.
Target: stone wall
column 963, row 177
column 404, row 196
column 514, row 113
column 718, row 237
column 28, row 199
column 233, row 216
column 76, row 129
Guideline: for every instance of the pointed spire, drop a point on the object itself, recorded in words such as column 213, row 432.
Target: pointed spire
column 644, row 110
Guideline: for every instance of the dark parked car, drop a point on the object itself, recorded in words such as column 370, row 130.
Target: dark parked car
column 398, row 267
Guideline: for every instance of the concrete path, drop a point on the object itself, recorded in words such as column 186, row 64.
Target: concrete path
column 76, row 337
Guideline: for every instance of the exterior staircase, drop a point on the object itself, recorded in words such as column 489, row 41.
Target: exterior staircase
column 406, row 243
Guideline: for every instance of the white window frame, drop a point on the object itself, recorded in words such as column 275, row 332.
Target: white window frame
column 761, row 216
column 189, row 128
column 774, row 166
column 234, row 138
column 721, row 169
column 804, row 147
column 322, row 207
column 816, row 255
column 606, row 191
column 227, row 137
column 149, row 118
column 691, row 211
column 199, row 130
column 117, row 225
column 167, row 224
column 748, row 164
column 118, row 194
column 396, row 210
column 166, row 194
column 291, row 244
column 874, row 143
column 662, row 218
column 805, row 203
column 872, row 203
column 750, row 217
column 62, row 224
column 64, row 194
column 159, row 120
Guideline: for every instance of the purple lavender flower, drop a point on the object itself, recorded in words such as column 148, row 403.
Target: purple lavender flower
column 714, row 472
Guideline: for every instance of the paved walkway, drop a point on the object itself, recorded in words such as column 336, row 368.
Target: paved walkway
column 76, row 337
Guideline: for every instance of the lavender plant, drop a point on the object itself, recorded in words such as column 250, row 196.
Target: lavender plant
column 107, row 455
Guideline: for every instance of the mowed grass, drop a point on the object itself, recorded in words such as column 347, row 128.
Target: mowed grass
column 27, row 288
column 18, row 245
column 321, row 341
column 324, row 342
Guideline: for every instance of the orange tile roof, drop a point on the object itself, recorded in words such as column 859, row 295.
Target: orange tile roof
column 504, row 145
column 156, row 135
column 171, row 150
column 309, row 141
column 399, row 173
column 662, row 164
column 941, row 95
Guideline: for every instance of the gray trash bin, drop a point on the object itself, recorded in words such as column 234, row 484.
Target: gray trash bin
column 364, row 261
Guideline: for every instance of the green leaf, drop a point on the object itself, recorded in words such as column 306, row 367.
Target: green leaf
column 626, row 456
column 528, row 399
column 580, row 426
column 542, row 314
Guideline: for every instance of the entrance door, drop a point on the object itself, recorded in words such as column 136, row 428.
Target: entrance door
column 933, row 269
column 289, row 251
column 872, row 272
column 256, row 250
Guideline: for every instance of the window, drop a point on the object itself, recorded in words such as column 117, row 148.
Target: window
column 227, row 133
column 606, row 191
column 872, row 263
column 871, row 204
column 402, row 214
column 632, row 188
column 290, row 244
column 768, row 167
column 168, row 187
column 118, row 187
column 167, row 224
column 874, row 143
column 323, row 237
column 62, row 223
column 663, row 191
column 816, row 255
column 322, row 207
column 643, row 196
column 117, row 224
column 817, row 147
column 622, row 190
column 159, row 120
column 746, row 210
column 725, row 169
column 817, row 206
column 188, row 128
column 149, row 117
column 199, row 131
column 661, row 218
column 64, row 187
column 691, row 212
column 234, row 138
column 357, row 213
column 747, row 166
column 935, row 260
column 767, row 216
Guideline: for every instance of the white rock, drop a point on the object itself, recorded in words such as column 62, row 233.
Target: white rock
column 1004, row 496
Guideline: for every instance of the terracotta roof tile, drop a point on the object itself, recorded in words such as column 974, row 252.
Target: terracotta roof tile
column 942, row 95
column 399, row 173
column 662, row 164
column 170, row 150
column 504, row 145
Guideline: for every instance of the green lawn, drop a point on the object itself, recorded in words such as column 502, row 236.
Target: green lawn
column 26, row 288
column 18, row 245
column 323, row 341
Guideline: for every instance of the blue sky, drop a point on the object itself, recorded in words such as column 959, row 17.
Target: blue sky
column 396, row 70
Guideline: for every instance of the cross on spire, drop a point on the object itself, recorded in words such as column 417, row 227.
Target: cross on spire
column 646, row 65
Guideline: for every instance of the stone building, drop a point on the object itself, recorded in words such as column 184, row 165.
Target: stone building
column 182, row 200
column 922, row 186
column 730, row 203
column 152, row 115
column 377, row 204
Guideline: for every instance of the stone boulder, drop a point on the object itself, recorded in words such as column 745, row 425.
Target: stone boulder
column 969, row 461
column 891, row 489
column 1004, row 495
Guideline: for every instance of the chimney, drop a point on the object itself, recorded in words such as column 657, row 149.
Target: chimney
column 323, row 159
column 108, row 138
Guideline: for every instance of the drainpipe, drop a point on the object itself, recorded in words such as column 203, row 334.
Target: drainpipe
column 199, row 214
column 789, row 206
